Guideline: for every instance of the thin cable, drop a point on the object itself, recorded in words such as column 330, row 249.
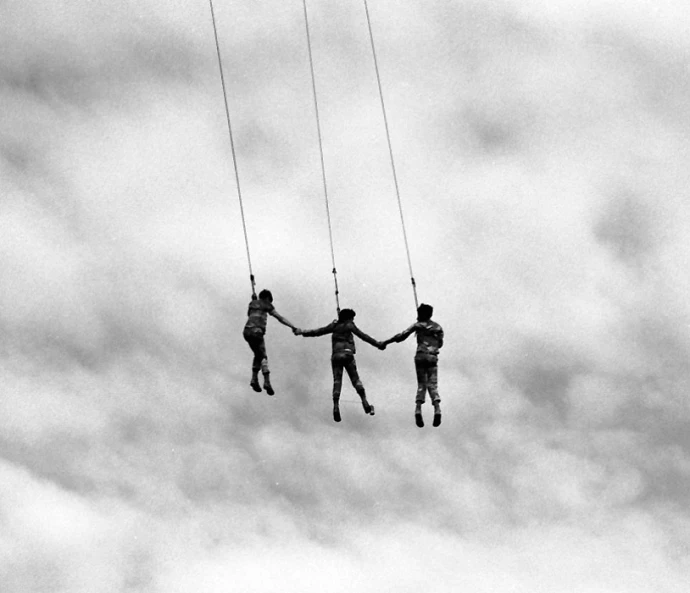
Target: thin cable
column 390, row 151
column 323, row 166
column 232, row 148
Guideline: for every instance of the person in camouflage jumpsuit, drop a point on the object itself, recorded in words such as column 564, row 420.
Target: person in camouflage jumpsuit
column 254, row 331
column 429, row 342
column 343, row 356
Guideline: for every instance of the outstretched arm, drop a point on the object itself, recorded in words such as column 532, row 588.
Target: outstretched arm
column 312, row 333
column 282, row 319
column 368, row 339
column 403, row 335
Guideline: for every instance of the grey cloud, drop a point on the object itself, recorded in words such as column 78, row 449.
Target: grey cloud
column 629, row 228
column 19, row 156
column 543, row 372
column 126, row 384
column 80, row 66
column 658, row 73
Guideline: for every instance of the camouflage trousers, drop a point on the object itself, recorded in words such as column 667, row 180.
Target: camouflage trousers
column 255, row 338
column 340, row 361
column 426, row 367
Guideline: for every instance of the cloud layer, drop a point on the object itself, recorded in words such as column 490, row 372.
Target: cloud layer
column 542, row 155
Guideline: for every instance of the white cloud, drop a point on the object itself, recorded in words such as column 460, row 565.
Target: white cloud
column 543, row 179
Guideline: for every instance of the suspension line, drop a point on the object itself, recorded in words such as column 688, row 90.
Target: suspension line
column 390, row 152
column 232, row 149
column 323, row 166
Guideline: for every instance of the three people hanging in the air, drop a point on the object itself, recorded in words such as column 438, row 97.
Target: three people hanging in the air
column 429, row 342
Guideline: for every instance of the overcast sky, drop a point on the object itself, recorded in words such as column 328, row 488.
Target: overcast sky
column 542, row 150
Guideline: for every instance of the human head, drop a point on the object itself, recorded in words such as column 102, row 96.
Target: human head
column 265, row 295
column 424, row 312
column 346, row 315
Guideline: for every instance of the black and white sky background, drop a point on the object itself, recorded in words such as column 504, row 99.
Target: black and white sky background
column 542, row 151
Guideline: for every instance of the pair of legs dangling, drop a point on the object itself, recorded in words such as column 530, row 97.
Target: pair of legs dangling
column 426, row 368
column 255, row 339
column 346, row 360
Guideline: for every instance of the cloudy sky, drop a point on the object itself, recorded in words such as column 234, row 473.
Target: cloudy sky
column 542, row 150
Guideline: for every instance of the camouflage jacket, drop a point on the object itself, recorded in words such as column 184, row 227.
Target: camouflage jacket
column 429, row 337
column 257, row 314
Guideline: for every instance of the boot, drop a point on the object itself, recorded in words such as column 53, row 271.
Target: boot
column 336, row 412
column 368, row 408
column 418, row 416
column 437, row 414
column 254, row 383
column 267, row 384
